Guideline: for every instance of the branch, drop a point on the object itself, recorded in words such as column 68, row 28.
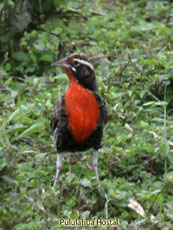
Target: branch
column 122, row 68
column 100, row 56
column 94, row 12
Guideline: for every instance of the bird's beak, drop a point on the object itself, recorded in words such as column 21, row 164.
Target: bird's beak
column 62, row 63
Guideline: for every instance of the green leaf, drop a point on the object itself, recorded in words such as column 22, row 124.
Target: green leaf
column 20, row 56
column 8, row 67
column 75, row 214
column 169, row 178
column 85, row 214
column 33, row 129
column 47, row 57
column 10, row 180
column 15, row 128
column 1, row 6
column 61, row 77
column 86, row 183
column 156, row 191
column 148, row 103
column 14, row 114
column 33, row 58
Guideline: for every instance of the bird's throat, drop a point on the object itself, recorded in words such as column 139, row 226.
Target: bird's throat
column 82, row 108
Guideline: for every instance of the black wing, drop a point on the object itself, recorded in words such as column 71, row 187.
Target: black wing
column 59, row 123
column 59, row 115
column 103, row 109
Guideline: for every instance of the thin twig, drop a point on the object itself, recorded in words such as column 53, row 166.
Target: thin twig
column 94, row 12
column 100, row 56
column 79, row 159
column 29, row 198
column 122, row 68
column 152, row 204
column 56, row 35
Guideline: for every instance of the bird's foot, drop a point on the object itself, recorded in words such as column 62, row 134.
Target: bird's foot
column 94, row 164
column 58, row 167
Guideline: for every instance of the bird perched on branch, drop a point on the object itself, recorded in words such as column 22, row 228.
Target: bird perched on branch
column 78, row 118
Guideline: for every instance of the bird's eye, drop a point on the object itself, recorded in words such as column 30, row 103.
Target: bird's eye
column 76, row 63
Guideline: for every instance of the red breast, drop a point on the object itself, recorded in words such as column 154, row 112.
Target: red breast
column 82, row 108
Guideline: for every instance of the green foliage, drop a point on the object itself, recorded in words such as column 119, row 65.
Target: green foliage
column 132, row 41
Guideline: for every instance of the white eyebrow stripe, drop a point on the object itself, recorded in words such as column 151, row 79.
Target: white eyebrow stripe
column 84, row 62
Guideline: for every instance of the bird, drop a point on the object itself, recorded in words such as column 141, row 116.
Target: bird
column 79, row 117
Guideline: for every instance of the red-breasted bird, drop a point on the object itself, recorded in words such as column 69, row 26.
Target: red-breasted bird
column 78, row 118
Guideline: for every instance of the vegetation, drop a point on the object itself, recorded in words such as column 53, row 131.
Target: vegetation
column 131, row 44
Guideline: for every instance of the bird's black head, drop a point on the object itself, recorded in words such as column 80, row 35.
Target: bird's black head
column 80, row 67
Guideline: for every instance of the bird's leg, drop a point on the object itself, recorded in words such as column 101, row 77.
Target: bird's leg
column 94, row 163
column 59, row 162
